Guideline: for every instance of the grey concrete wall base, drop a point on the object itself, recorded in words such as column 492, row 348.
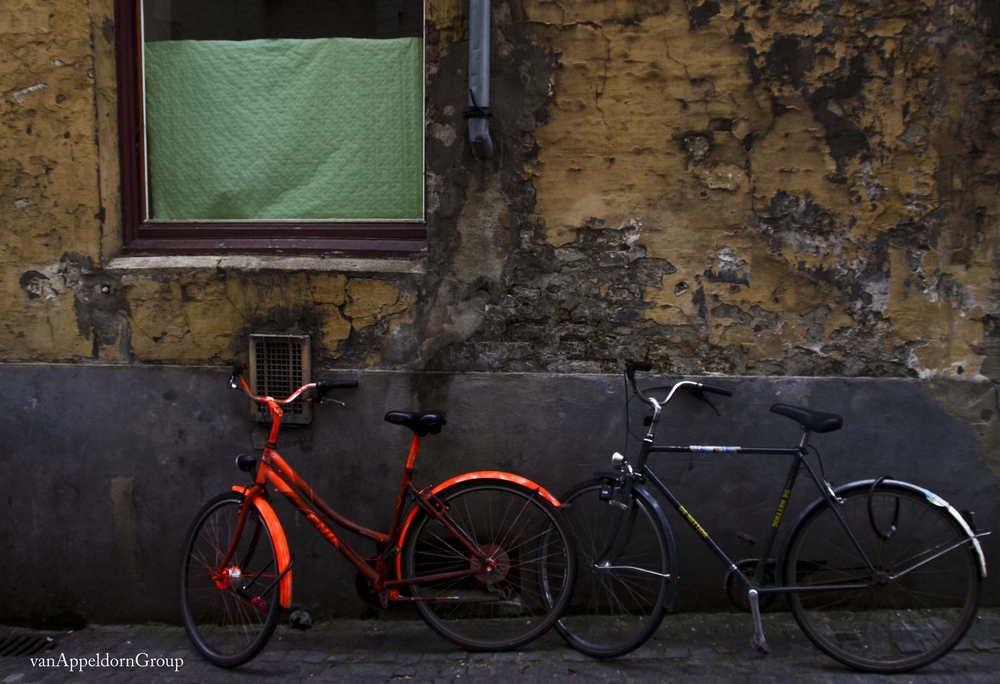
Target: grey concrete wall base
column 105, row 467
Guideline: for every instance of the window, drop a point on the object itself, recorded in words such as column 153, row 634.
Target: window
column 271, row 125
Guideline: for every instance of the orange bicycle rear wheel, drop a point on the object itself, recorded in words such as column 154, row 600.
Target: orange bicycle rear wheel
column 522, row 588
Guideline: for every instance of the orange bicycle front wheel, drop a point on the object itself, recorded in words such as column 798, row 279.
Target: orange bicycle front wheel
column 230, row 618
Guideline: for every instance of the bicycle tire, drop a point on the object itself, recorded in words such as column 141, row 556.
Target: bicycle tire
column 895, row 624
column 513, row 605
column 615, row 611
column 225, row 628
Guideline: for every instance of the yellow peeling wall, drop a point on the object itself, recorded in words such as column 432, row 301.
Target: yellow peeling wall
column 60, row 224
column 803, row 187
column 710, row 125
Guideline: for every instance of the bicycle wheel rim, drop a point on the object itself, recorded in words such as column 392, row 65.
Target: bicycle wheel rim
column 223, row 625
column 893, row 625
column 500, row 612
column 614, row 610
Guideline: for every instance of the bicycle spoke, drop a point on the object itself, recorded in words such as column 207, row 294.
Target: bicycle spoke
column 505, row 601
column 884, row 628
column 223, row 625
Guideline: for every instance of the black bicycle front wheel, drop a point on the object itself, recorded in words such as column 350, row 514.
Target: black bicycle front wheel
column 620, row 597
column 519, row 594
column 918, row 603
column 231, row 623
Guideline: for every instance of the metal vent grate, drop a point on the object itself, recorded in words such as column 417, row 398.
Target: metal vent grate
column 25, row 645
column 279, row 365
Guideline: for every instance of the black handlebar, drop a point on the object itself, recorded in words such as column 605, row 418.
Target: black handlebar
column 711, row 389
column 324, row 386
column 631, row 366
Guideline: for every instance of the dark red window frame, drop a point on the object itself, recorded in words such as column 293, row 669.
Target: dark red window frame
column 141, row 236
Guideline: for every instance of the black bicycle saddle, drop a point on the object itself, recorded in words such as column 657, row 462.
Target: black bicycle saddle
column 816, row 421
column 422, row 423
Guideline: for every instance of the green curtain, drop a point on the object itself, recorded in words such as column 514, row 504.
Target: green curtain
column 285, row 129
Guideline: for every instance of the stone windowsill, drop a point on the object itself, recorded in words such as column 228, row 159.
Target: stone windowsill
column 269, row 263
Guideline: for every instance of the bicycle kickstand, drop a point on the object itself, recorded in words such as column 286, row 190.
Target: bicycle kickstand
column 758, row 641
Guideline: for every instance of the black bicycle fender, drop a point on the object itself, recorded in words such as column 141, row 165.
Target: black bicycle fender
column 932, row 498
column 675, row 562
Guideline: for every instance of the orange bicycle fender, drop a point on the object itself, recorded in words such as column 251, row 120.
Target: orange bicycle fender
column 466, row 477
column 280, row 546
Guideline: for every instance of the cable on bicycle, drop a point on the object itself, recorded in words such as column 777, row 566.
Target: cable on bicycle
column 819, row 458
column 627, row 428
column 891, row 530
column 628, row 423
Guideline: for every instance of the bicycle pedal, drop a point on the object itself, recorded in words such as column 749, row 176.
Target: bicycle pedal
column 760, row 645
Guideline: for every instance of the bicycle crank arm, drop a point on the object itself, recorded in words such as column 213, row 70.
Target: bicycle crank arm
column 605, row 565
column 758, row 641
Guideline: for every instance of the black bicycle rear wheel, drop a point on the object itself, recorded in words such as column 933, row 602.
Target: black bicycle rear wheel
column 231, row 624
column 511, row 603
column 618, row 604
column 913, row 609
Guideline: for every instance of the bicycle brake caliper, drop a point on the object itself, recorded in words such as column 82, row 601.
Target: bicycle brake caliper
column 829, row 490
column 427, row 497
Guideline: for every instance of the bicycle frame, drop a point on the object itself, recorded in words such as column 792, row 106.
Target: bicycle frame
column 275, row 471
column 641, row 471
column 798, row 463
column 829, row 565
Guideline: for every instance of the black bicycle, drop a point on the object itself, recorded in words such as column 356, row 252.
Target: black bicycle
column 882, row 575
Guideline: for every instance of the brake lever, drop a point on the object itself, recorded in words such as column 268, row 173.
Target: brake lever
column 323, row 399
column 701, row 396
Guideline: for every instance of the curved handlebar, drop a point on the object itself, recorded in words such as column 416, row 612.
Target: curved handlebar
column 712, row 389
column 632, row 365
column 322, row 387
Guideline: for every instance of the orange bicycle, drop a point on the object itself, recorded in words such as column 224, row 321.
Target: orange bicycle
column 485, row 557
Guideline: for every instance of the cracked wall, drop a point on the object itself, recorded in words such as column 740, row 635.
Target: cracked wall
column 819, row 178
column 61, row 226
column 804, row 187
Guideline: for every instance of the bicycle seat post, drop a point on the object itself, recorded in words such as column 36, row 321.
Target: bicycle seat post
column 804, row 442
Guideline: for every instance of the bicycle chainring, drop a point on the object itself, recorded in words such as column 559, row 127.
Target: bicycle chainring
column 736, row 589
column 377, row 600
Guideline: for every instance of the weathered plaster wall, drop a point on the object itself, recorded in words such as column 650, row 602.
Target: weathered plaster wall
column 767, row 188
column 803, row 187
column 59, row 210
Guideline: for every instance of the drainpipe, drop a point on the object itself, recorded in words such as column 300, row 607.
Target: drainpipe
column 478, row 112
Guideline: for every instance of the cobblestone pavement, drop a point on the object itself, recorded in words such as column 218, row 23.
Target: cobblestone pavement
column 688, row 648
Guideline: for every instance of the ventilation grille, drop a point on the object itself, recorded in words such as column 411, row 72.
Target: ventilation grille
column 25, row 645
column 279, row 365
